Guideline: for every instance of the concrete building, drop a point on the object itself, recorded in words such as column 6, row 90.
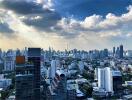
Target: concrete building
column 9, row 61
column 1, row 65
column 4, row 83
column 105, row 79
column 58, row 87
column 53, row 69
column 129, row 53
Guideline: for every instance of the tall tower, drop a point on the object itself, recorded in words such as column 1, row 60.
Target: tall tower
column 53, row 69
column 34, row 56
column 105, row 79
column 9, row 62
column 118, row 52
column 0, row 53
column 121, row 51
column 24, row 79
column 114, row 51
column 117, row 80
column 106, row 52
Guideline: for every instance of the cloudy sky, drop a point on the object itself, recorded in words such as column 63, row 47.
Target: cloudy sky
column 81, row 24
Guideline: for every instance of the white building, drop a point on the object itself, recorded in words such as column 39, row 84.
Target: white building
column 53, row 69
column 9, row 61
column 105, row 79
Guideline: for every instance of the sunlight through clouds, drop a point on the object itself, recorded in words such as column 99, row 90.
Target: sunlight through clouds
column 41, row 25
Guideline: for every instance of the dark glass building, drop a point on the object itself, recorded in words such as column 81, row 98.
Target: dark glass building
column 118, row 52
column 117, row 81
column 106, row 53
column 121, row 51
column 24, row 79
column 114, row 51
column 34, row 57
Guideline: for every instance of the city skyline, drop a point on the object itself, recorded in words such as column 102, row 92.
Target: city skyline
column 37, row 74
column 85, row 24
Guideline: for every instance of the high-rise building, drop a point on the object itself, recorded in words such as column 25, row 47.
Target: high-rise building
column 9, row 61
column 105, row 79
column 53, row 69
column 0, row 53
column 118, row 52
column 121, row 51
column 114, row 51
column 117, row 81
column 24, row 79
column 1, row 65
column 105, row 53
column 34, row 57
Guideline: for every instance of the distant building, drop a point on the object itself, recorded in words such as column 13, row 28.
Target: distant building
column 1, row 65
column 129, row 53
column 106, row 53
column 121, row 51
column 9, row 61
column 0, row 53
column 53, row 69
column 118, row 52
column 114, row 51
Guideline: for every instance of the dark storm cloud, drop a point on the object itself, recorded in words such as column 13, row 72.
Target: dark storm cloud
column 30, row 10
column 22, row 6
column 44, row 22
column 5, row 29
column 80, row 9
column 73, row 17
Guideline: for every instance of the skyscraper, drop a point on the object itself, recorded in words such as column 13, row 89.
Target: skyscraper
column 34, row 56
column 114, row 51
column 9, row 61
column 53, row 69
column 0, row 53
column 105, row 53
column 24, row 79
column 118, row 52
column 105, row 79
column 117, row 80
column 121, row 51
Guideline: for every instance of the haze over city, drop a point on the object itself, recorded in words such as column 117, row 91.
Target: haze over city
column 65, row 50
